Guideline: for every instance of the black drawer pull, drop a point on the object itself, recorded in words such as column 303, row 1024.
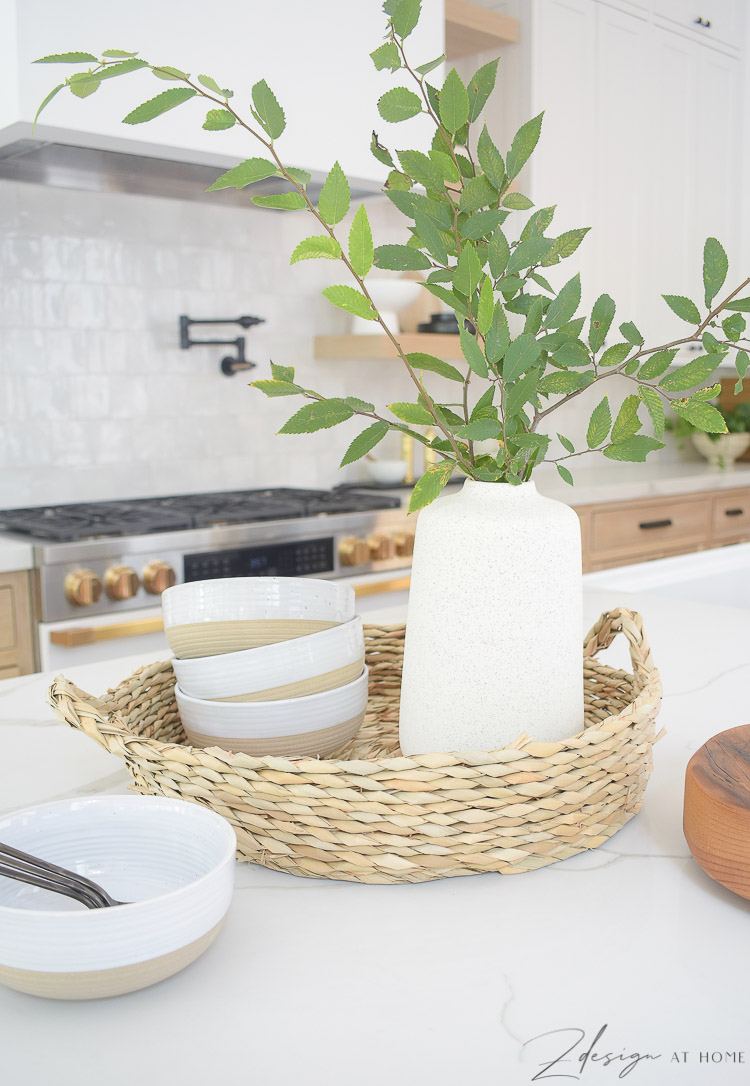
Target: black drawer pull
column 656, row 524
column 733, row 512
column 700, row 21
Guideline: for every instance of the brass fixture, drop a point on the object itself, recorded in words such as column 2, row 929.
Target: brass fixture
column 157, row 577
column 430, row 455
column 407, row 454
column 353, row 551
column 82, row 588
column 381, row 546
column 405, row 544
column 121, row 582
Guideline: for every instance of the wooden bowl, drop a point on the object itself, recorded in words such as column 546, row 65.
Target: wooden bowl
column 717, row 808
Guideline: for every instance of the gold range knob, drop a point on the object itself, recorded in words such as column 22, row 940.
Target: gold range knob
column 405, row 544
column 381, row 546
column 157, row 577
column 353, row 551
column 82, row 588
column 121, row 582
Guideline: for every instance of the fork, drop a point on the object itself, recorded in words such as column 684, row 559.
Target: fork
column 24, row 867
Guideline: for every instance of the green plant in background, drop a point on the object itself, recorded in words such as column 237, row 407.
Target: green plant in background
column 459, row 200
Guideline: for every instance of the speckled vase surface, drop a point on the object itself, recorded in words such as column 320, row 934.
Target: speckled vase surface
column 494, row 627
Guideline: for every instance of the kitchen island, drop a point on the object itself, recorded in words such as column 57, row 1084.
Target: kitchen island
column 484, row 978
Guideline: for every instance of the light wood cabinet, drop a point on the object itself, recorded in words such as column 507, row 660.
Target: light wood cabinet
column 16, row 631
column 620, row 533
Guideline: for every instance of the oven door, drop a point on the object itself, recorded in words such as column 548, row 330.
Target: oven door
column 101, row 637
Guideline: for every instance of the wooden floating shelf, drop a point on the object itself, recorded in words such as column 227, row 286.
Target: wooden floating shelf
column 472, row 29
column 353, row 348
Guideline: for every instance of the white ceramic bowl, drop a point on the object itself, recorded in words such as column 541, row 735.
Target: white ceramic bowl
column 289, row 669
column 390, row 296
column 387, row 471
column 173, row 860
column 315, row 725
column 203, row 618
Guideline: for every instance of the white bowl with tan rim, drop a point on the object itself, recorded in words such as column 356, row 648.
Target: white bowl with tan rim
column 318, row 724
column 289, row 669
column 172, row 860
column 228, row 614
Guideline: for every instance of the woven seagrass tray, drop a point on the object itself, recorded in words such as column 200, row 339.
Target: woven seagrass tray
column 372, row 815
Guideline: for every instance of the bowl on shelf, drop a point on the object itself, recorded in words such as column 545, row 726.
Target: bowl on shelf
column 317, row 724
column 288, row 669
column 387, row 472
column 172, row 860
column 390, row 296
column 229, row 614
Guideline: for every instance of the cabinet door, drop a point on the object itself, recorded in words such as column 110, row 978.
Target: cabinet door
column 713, row 21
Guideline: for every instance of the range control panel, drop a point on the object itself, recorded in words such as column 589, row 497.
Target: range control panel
column 308, row 556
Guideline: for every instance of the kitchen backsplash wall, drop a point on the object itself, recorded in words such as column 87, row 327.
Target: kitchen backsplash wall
column 98, row 400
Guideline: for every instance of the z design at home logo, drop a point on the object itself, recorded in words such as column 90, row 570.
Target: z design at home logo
column 573, row 1054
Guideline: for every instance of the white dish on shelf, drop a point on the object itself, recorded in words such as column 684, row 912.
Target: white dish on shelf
column 172, row 860
column 289, row 669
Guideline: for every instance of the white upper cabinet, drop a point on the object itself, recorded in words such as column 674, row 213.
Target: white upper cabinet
column 313, row 56
column 713, row 21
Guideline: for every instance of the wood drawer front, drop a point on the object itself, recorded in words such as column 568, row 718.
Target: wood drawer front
column 8, row 624
column 731, row 515
column 650, row 528
column 9, row 672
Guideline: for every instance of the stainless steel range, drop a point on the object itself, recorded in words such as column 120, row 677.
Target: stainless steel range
column 98, row 560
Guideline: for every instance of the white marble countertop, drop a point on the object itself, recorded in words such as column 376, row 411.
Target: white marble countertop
column 612, row 482
column 15, row 554
column 327, row 983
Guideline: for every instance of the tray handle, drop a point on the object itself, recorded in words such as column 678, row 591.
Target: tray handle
column 621, row 620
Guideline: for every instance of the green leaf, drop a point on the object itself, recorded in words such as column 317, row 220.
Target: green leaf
column 473, row 353
column 84, row 85
column 163, row 102
column 164, row 71
column 429, row 234
column 468, row 272
column 252, row 169
column 477, row 193
column 480, row 88
column 485, row 306
column 483, row 408
column 563, row 382
column 655, row 408
column 602, row 316
column 425, row 69
column 480, row 430
column 741, row 305
column 447, row 167
column 397, row 182
column 572, row 352
column 448, row 418
column 320, row 415
column 656, row 365
column 430, row 484
column 615, row 354
column 413, row 413
column 67, row 58
column 742, row 362
column 420, row 361
column 562, row 308
column 55, row 90
column 631, row 333
column 114, row 70
column 382, row 154
column 400, row 258
column 386, row 56
column 534, row 316
column 282, row 373
column 269, row 111
column 565, row 245
column 599, row 424
column 564, row 474
column 683, row 307
column 734, row 326
column 321, row 246
column 365, row 442
column 498, row 337
column 499, row 252
column 627, row 422
column 422, row 169
column 566, row 443
column 701, row 415
column 358, row 405
column 517, row 202
column 277, row 388
column 481, row 224
column 300, row 176
column 399, row 104
column 454, row 102
column 633, row 449
column 335, row 197
column 538, row 222
column 490, row 159
column 715, row 267
column 351, row 300
column 524, row 142
column 283, row 201
column 527, row 253
column 211, row 84
column 696, row 372
column 520, row 392
column 218, row 119
column 450, row 297
column 405, row 16
column 520, row 356
column 360, row 243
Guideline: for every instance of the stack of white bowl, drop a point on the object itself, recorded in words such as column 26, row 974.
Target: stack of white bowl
column 267, row 665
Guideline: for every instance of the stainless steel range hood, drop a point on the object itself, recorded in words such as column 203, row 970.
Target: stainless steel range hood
column 69, row 166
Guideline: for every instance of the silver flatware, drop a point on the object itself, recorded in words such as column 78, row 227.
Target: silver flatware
column 24, row 867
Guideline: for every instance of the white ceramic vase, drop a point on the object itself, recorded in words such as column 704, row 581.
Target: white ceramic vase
column 494, row 629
